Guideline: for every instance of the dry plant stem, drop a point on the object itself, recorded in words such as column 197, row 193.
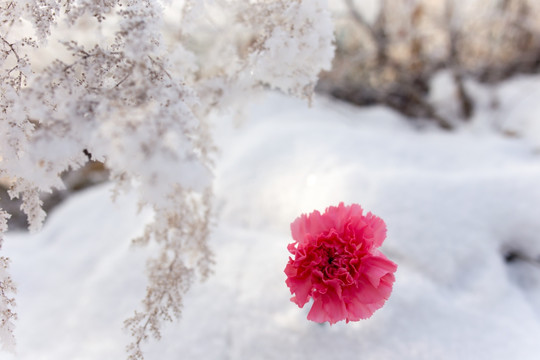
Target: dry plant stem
column 422, row 103
column 357, row 16
column 454, row 34
column 7, row 292
column 170, row 277
column 377, row 33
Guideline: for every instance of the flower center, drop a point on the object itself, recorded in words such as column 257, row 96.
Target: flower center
column 331, row 261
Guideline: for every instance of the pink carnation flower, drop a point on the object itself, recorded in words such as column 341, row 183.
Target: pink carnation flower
column 336, row 262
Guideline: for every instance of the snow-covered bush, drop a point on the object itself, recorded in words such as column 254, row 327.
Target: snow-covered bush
column 131, row 83
column 387, row 52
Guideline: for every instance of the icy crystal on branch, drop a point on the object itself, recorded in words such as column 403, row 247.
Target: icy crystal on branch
column 132, row 87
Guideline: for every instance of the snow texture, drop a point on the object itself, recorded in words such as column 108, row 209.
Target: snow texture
column 455, row 203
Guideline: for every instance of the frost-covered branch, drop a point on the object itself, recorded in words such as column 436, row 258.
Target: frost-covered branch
column 134, row 89
column 7, row 290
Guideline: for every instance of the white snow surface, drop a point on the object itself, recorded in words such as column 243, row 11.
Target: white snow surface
column 455, row 204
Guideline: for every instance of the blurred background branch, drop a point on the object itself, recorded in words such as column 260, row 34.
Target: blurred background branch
column 391, row 57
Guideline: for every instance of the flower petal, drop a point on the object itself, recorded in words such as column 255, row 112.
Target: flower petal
column 313, row 224
column 375, row 267
column 358, row 310
column 378, row 227
column 317, row 313
column 301, row 288
column 334, row 307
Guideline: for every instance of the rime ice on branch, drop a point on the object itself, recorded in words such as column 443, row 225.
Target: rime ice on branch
column 134, row 91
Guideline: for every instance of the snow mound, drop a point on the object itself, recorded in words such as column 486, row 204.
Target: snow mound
column 456, row 204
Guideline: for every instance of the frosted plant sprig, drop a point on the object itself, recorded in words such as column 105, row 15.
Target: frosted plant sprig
column 7, row 291
column 135, row 90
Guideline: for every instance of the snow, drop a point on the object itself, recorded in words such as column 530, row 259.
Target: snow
column 455, row 204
